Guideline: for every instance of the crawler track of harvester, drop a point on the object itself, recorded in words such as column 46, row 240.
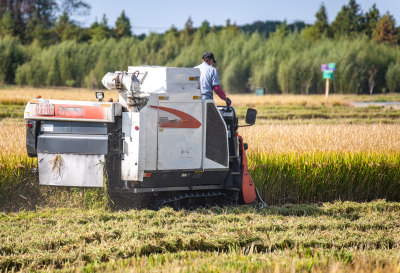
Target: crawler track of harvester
column 185, row 200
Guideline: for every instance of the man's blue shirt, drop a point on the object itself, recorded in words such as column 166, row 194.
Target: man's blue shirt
column 208, row 79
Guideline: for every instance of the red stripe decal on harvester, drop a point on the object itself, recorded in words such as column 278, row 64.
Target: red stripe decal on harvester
column 77, row 112
column 186, row 120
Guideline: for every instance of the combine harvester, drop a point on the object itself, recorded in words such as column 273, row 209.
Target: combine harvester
column 159, row 145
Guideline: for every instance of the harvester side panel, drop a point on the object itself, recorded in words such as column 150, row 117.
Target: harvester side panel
column 131, row 124
column 178, row 84
column 151, row 133
column 179, row 135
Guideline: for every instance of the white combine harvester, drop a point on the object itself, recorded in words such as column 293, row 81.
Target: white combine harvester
column 160, row 144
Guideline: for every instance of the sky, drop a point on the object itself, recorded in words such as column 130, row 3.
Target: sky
column 160, row 15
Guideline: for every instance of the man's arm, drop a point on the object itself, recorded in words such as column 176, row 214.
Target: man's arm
column 220, row 92
column 218, row 89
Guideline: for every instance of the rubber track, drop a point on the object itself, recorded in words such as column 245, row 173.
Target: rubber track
column 189, row 196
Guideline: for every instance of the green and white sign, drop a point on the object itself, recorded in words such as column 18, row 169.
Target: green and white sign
column 327, row 74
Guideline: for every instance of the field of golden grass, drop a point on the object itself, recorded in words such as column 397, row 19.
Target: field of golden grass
column 290, row 163
column 309, row 138
column 271, row 138
column 12, row 137
column 21, row 95
column 251, row 100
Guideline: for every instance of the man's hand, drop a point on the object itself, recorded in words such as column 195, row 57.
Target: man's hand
column 228, row 101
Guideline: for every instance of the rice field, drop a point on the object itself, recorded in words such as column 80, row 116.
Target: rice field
column 271, row 138
column 21, row 95
column 335, row 237
column 305, row 154
column 322, row 138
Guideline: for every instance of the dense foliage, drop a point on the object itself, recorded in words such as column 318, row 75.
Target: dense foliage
column 46, row 48
column 280, row 64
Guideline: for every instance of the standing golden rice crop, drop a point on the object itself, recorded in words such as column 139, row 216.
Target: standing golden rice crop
column 20, row 95
column 313, row 100
column 271, row 138
column 12, row 137
column 251, row 100
column 309, row 138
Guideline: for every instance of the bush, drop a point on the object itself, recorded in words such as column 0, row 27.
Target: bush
column 393, row 76
column 279, row 64
column 11, row 56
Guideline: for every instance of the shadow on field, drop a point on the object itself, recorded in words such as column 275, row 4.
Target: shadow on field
column 29, row 196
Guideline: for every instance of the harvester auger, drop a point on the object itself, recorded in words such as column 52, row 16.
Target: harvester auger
column 159, row 145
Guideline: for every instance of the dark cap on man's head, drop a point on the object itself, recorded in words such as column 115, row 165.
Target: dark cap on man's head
column 208, row 56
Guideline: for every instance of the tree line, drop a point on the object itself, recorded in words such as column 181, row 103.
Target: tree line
column 277, row 56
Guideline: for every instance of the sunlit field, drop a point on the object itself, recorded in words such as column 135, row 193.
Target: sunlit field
column 326, row 169
column 271, row 138
column 320, row 138
column 21, row 95
column 306, row 155
column 349, row 237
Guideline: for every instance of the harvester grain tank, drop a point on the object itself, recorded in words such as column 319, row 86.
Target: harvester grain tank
column 160, row 144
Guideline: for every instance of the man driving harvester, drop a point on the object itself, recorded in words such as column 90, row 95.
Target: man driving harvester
column 209, row 80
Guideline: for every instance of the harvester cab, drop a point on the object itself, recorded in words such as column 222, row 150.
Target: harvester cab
column 160, row 144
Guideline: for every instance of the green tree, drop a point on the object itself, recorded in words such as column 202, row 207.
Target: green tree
column 204, row 29
column 45, row 12
column 122, row 26
column 392, row 76
column 348, row 21
column 37, row 30
column 282, row 30
column 322, row 21
column 265, row 75
column 172, row 30
column 321, row 26
column 189, row 29
column 65, row 29
column 385, row 30
column 100, row 31
column 8, row 24
column 371, row 18
column 11, row 56
column 37, row 17
column 75, row 7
